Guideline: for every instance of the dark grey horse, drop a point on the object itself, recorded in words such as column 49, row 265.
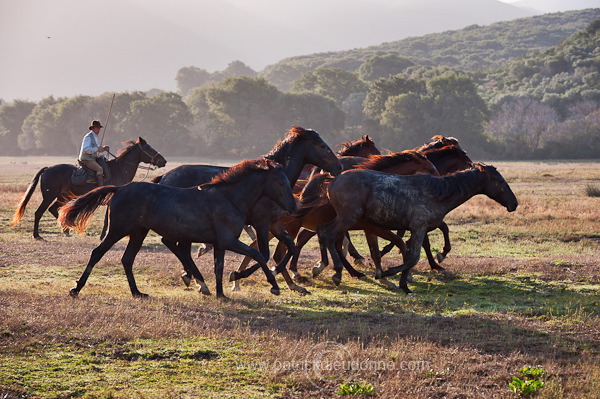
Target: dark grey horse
column 215, row 213
column 416, row 203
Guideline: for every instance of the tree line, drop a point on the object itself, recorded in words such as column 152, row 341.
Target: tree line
column 543, row 105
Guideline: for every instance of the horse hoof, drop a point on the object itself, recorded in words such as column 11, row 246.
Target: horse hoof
column 140, row 295
column 223, row 298
column 233, row 276
column 235, row 287
column 299, row 278
column 440, row 257
column 299, row 289
column 378, row 274
column 39, row 238
column 275, row 291
column 361, row 277
column 187, row 280
column 411, row 295
column 359, row 262
column 74, row 292
column 388, row 284
column 204, row 290
column 337, row 280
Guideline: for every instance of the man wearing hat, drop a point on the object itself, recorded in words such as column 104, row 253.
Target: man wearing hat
column 90, row 150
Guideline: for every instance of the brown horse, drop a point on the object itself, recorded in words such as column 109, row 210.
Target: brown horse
column 417, row 203
column 57, row 188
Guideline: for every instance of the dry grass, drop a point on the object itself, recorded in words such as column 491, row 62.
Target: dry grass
column 524, row 289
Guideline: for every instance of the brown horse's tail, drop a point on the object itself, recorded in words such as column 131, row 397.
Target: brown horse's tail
column 20, row 211
column 76, row 213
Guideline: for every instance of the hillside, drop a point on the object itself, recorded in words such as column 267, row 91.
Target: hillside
column 470, row 49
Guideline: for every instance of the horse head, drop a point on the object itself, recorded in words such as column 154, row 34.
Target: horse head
column 150, row 155
column 497, row 188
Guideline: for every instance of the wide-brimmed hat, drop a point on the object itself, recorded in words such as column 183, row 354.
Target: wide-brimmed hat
column 95, row 124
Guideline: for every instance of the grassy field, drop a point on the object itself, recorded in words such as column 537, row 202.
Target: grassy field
column 523, row 290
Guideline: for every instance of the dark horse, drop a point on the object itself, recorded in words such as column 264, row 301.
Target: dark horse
column 417, row 203
column 300, row 147
column 214, row 212
column 351, row 153
column 56, row 180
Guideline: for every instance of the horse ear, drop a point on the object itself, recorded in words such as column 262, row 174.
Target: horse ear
column 141, row 140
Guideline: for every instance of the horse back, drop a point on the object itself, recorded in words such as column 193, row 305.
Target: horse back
column 190, row 175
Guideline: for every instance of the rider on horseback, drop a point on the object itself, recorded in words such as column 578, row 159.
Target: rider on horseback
column 90, row 151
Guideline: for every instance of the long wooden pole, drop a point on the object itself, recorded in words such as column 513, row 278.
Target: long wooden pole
column 107, row 118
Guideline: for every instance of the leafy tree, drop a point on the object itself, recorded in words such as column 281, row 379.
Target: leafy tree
column 235, row 68
column 245, row 114
column 42, row 118
column 188, row 78
column 383, row 66
column 12, row 116
column 163, row 121
column 335, row 83
column 382, row 89
column 313, row 111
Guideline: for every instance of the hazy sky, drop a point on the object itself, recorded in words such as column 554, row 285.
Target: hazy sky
column 70, row 47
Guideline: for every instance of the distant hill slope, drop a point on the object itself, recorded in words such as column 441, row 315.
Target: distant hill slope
column 470, row 49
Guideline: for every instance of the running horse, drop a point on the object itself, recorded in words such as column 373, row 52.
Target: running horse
column 299, row 147
column 57, row 188
column 417, row 203
column 214, row 212
column 316, row 209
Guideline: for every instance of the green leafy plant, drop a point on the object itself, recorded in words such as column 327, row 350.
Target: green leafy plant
column 531, row 382
column 357, row 388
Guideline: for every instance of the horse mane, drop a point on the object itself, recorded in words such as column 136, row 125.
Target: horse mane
column 352, row 148
column 462, row 181
column 240, row 171
column 295, row 133
column 434, row 154
column 129, row 145
column 380, row 162
column 438, row 141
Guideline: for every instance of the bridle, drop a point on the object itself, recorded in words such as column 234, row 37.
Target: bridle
column 152, row 160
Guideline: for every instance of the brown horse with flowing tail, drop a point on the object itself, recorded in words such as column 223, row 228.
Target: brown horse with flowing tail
column 56, row 183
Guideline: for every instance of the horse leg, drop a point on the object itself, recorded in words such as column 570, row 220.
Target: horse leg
column 432, row 263
column 105, row 224
column 330, row 237
column 411, row 259
column 96, row 255
column 447, row 246
column 358, row 258
column 376, row 257
column 136, row 239
column 279, row 232
column 39, row 212
column 219, row 256
column 182, row 250
column 301, row 239
column 241, row 248
column 242, row 270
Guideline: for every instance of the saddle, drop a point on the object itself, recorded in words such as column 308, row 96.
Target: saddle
column 84, row 175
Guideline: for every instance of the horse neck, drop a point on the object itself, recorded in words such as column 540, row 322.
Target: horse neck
column 291, row 156
column 458, row 188
column 245, row 193
column 125, row 167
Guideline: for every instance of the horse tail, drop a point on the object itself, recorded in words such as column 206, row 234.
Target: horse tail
column 20, row 211
column 76, row 213
column 156, row 179
column 314, row 194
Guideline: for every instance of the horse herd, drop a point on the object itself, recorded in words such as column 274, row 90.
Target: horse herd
column 299, row 189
